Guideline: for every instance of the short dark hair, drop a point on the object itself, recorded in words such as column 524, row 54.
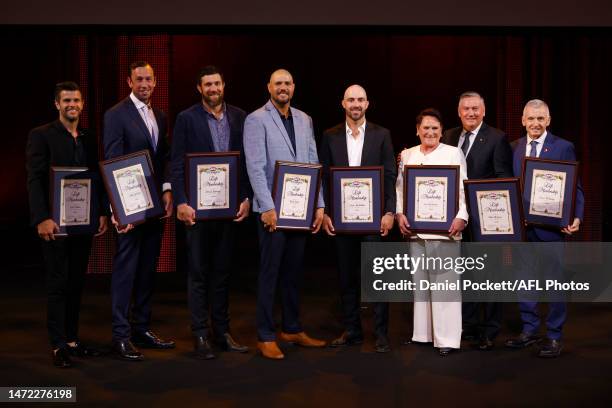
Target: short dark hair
column 429, row 112
column 138, row 64
column 65, row 86
column 208, row 70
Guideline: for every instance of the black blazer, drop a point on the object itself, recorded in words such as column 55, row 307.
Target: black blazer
column 192, row 135
column 490, row 155
column 125, row 132
column 377, row 151
column 52, row 145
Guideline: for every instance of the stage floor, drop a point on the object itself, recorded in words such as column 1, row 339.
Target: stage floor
column 355, row 376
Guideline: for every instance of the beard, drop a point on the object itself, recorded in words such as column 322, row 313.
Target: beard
column 212, row 101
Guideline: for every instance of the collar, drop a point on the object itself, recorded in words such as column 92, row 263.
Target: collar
column 289, row 115
column 139, row 104
column 474, row 132
column 539, row 139
column 61, row 128
column 223, row 110
column 361, row 128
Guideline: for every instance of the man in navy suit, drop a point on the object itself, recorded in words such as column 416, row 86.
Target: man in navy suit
column 130, row 126
column 357, row 143
column 209, row 126
column 540, row 143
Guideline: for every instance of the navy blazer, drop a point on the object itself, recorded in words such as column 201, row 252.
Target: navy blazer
column 192, row 135
column 125, row 132
column 490, row 155
column 554, row 148
column 377, row 151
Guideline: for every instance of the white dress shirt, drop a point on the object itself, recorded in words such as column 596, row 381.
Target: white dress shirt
column 539, row 146
column 443, row 155
column 354, row 145
column 472, row 138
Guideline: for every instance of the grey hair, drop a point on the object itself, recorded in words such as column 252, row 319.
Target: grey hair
column 471, row 94
column 536, row 103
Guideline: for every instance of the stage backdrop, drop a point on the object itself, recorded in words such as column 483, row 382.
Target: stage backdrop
column 403, row 71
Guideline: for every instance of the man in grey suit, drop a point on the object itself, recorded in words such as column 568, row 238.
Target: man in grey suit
column 275, row 132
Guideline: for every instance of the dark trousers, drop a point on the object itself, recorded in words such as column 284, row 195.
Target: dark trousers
column 281, row 256
column 482, row 319
column 209, row 258
column 65, row 262
column 133, row 276
column 348, row 250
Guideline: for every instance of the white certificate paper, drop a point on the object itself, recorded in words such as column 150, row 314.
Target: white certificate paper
column 75, row 201
column 495, row 212
column 133, row 189
column 213, row 186
column 431, row 199
column 547, row 193
column 356, row 200
column 294, row 198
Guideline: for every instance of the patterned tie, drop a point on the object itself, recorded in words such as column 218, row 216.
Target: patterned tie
column 534, row 149
column 150, row 120
column 466, row 143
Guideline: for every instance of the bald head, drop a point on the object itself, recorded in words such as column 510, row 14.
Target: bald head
column 281, row 87
column 355, row 104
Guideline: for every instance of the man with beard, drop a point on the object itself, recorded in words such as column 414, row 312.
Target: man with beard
column 209, row 126
column 274, row 132
column 357, row 143
column 62, row 143
column 130, row 126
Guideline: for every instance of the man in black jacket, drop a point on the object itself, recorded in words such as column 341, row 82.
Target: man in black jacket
column 62, row 143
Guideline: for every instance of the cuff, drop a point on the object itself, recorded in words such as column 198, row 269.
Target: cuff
column 166, row 187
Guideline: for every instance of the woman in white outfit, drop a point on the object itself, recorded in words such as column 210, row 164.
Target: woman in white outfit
column 434, row 321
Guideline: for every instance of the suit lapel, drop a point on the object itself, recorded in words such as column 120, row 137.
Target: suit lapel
column 479, row 141
column 300, row 140
column 340, row 147
column 548, row 148
column 279, row 123
column 368, row 142
column 207, row 140
column 140, row 122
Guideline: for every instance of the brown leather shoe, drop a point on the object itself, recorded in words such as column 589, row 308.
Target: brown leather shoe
column 301, row 339
column 269, row 349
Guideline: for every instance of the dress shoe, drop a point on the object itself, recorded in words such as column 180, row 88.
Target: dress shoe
column 469, row 336
column 80, row 350
column 382, row 344
column 301, row 339
column 61, row 358
column 347, row 339
column 486, row 344
column 148, row 339
column 445, row 351
column 202, row 349
column 126, row 350
column 269, row 349
column 522, row 341
column 550, row 349
column 227, row 343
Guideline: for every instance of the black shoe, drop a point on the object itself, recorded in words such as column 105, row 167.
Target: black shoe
column 382, row 344
column 550, row 349
column 61, row 358
column 126, row 350
column 148, row 339
column 227, row 343
column 347, row 339
column 522, row 341
column 81, row 350
column 469, row 336
column 486, row 344
column 202, row 349
column 445, row 351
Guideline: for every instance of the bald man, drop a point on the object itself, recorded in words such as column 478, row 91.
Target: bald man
column 275, row 132
column 356, row 142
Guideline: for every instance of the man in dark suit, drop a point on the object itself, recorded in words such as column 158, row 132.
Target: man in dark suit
column 488, row 155
column 540, row 143
column 357, row 143
column 130, row 126
column 209, row 126
column 62, row 143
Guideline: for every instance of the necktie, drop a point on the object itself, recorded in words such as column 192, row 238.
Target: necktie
column 466, row 143
column 150, row 120
column 534, row 149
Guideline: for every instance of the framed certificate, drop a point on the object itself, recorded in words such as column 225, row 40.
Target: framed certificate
column 295, row 192
column 496, row 209
column 549, row 191
column 132, row 188
column 213, row 184
column 74, row 200
column 431, row 197
column 356, row 195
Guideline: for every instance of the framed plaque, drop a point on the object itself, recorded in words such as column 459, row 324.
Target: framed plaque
column 213, row 184
column 356, row 195
column 74, row 200
column 132, row 188
column 295, row 192
column 495, row 207
column 549, row 191
column 431, row 197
